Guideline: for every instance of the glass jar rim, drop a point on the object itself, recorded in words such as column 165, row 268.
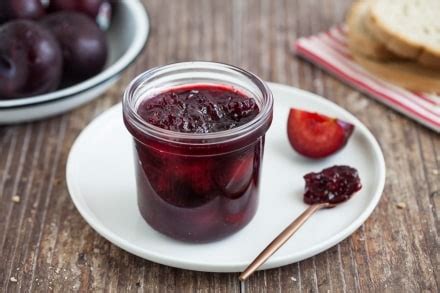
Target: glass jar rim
column 129, row 106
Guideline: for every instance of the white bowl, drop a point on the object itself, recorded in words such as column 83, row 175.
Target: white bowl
column 127, row 36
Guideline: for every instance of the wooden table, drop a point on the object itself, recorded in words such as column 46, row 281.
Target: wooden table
column 45, row 244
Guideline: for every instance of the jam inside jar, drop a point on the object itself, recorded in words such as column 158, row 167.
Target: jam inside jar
column 198, row 130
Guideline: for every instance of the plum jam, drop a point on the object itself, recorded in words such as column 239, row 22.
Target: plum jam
column 199, row 109
column 198, row 130
column 332, row 185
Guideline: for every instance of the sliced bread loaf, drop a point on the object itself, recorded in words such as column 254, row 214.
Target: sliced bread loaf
column 360, row 39
column 408, row 74
column 409, row 28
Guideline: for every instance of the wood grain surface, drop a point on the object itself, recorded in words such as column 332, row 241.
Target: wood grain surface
column 46, row 246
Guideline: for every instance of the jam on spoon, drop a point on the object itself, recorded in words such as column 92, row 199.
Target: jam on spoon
column 332, row 185
column 323, row 190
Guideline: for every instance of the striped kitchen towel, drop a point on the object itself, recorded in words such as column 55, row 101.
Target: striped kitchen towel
column 329, row 50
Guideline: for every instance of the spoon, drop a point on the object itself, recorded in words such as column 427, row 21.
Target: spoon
column 282, row 238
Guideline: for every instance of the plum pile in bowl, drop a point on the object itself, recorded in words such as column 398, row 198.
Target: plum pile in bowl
column 45, row 45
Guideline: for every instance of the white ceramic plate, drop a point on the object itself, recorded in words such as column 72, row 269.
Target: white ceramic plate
column 100, row 178
column 127, row 36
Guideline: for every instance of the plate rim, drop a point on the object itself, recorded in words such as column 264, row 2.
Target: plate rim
column 237, row 266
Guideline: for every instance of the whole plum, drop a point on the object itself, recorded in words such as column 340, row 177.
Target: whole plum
column 30, row 60
column 83, row 44
column 13, row 9
column 99, row 10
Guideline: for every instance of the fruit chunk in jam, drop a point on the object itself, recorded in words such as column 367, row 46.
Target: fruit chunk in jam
column 332, row 185
column 201, row 109
column 189, row 195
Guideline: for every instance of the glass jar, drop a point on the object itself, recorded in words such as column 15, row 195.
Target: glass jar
column 191, row 186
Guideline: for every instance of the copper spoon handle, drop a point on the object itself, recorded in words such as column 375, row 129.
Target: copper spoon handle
column 281, row 239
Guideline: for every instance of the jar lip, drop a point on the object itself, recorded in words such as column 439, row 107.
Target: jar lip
column 195, row 138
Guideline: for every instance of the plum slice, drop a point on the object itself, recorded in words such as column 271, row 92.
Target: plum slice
column 315, row 135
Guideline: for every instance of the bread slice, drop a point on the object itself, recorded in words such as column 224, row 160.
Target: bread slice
column 409, row 28
column 360, row 39
column 408, row 74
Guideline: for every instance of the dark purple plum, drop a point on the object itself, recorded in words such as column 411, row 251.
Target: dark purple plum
column 92, row 8
column 83, row 44
column 13, row 70
column 13, row 9
column 30, row 60
column 89, row 7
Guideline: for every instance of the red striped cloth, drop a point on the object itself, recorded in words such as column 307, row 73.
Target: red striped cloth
column 329, row 50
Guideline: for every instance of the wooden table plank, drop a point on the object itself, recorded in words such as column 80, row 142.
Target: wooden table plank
column 47, row 246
